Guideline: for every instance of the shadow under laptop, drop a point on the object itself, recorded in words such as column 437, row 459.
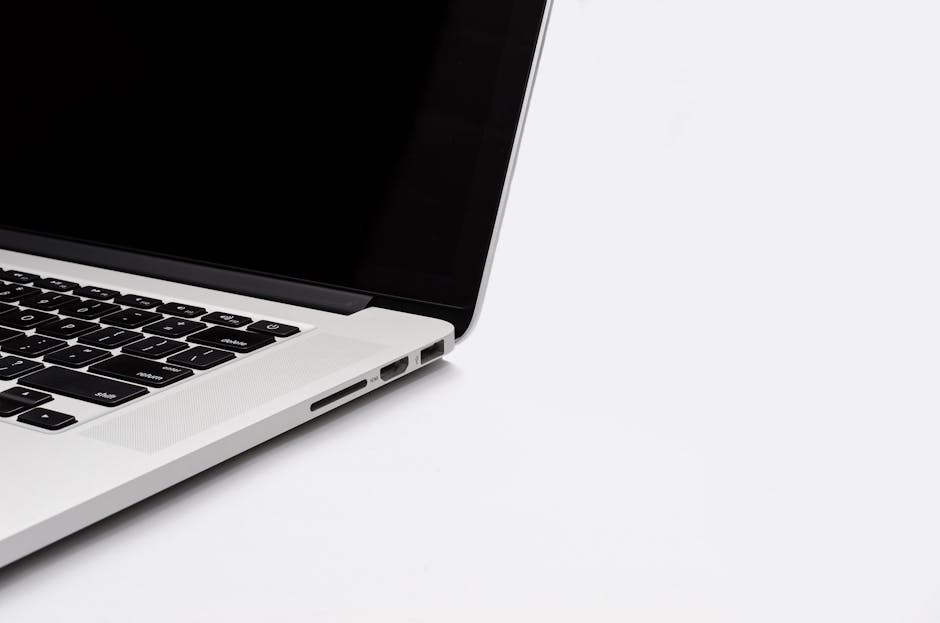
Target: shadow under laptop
column 106, row 527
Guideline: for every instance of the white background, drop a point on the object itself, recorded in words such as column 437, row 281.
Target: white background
column 704, row 388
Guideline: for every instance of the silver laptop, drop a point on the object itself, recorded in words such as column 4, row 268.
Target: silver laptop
column 217, row 224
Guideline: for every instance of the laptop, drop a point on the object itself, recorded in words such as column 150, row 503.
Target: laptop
column 220, row 222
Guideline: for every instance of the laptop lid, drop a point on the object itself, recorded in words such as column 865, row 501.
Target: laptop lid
column 295, row 152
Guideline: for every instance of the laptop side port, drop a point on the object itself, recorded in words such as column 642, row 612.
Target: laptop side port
column 432, row 352
column 394, row 369
column 352, row 389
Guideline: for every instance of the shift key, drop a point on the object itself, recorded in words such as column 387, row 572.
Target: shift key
column 82, row 386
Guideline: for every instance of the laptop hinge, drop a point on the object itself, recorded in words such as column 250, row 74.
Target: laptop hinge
column 248, row 284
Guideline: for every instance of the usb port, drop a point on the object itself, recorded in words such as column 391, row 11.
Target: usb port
column 432, row 352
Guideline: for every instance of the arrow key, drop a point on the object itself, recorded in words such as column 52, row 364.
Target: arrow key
column 47, row 419
column 11, row 407
column 26, row 397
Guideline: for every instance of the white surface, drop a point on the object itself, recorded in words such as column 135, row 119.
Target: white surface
column 744, row 426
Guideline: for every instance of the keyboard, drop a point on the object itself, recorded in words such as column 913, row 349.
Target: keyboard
column 72, row 352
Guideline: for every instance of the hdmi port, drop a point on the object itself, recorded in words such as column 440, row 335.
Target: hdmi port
column 393, row 369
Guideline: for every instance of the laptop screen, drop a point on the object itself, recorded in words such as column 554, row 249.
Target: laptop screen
column 363, row 146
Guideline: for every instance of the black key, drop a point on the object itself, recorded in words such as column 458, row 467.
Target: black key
column 273, row 328
column 19, row 399
column 12, row 367
column 202, row 358
column 32, row 345
column 228, row 320
column 12, row 293
column 26, row 397
column 4, row 308
column 140, row 302
column 155, row 348
column 231, row 339
column 173, row 327
column 18, row 277
column 47, row 301
column 183, row 311
column 11, row 407
column 8, row 334
column 67, row 328
column 130, row 318
column 88, row 310
column 82, row 386
column 46, row 418
column 152, row 373
column 77, row 356
column 93, row 292
column 110, row 337
column 58, row 285
column 25, row 319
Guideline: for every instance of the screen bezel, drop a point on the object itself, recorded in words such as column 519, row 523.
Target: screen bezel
column 497, row 160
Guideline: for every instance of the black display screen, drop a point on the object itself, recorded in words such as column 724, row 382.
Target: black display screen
column 363, row 146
